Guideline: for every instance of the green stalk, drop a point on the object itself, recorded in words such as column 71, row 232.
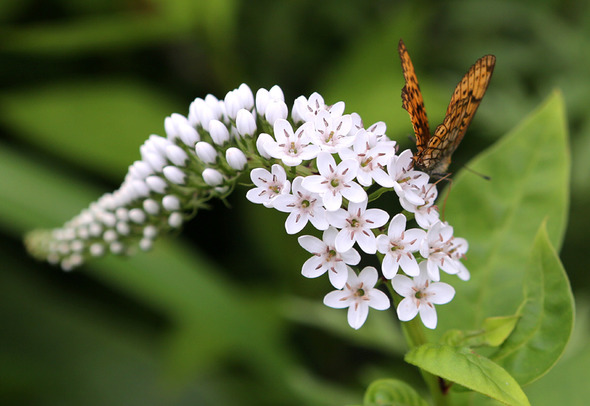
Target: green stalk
column 415, row 337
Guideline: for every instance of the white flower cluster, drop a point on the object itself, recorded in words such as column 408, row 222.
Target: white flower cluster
column 318, row 165
column 337, row 161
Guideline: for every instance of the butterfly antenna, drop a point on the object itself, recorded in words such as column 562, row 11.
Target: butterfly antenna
column 446, row 177
column 481, row 175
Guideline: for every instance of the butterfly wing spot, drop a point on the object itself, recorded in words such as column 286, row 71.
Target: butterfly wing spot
column 434, row 152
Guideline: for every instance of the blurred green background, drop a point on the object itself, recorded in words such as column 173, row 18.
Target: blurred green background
column 220, row 314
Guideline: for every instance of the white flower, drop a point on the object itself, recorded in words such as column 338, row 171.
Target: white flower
column 261, row 142
column 407, row 182
column 438, row 248
column 334, row 182
column 302, row 206
column 356, row 225
column 398, row 246
column 420, row 296
column 306, row 109
column 459, row 247
column 372, row 157
column 292, row 147
column 268, row 185
column 327, row 259
column 426, row 214
column 331, row 133
column 358, row 295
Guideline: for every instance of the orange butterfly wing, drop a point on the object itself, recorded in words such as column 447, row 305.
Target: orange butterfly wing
column 434, row 157
column 412, row 100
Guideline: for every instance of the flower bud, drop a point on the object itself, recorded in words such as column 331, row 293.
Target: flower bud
column 96, row 249
column 154, row 159
column 176, row 155
column 212, row 177
column 137, row 215
column 156, row 184
column 275, row 110
column 245, row 123
column 232, row 104
column 150, row 231
column 174, row 175
column 171, row 203
column 218, row 132
column 206, row 152
column 151, row 206
column 200, row 114
column 140, row 188
column 246, row 96
column 145, row 244
column 175, row 220
column 262, row 100
column 236, row 158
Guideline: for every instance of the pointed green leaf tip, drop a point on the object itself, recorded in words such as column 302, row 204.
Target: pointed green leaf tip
column 469, row 369
column 546, row 316
column 390, row 392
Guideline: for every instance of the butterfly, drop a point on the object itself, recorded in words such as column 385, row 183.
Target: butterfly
column 434, row 151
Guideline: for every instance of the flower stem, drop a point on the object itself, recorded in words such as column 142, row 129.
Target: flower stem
column 415, row 337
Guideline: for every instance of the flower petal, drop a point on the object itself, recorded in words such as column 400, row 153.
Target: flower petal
column 440, row 293
column 338, row 299
column 407, row 309
column 379, row 300
column 312, row 244
column 428, row 316
column 357, row 315
column 403, row 285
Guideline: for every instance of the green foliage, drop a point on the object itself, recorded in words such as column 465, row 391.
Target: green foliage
column 465, row 367
column 529, row 183
column 546, row 316
column 391, row 392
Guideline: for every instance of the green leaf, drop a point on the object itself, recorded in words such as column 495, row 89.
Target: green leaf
column 529, row 171
column 546, row 316
column 465, row 367
column 494, row 332
column 391, row 392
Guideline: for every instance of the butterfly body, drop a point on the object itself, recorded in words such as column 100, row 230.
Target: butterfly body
column 434, row 152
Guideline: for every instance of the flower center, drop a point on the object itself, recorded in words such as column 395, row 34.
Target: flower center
column 335, row 182
column 359, row 293
column 366, row 162
column 293, row 149
column 305, row 204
